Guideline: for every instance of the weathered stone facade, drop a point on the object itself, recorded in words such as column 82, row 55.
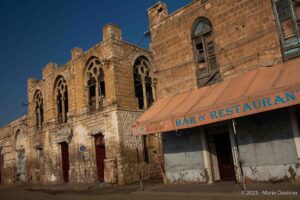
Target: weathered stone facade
column 209, row 41
column 244, row 33
column 101, row 92
column 67, row 108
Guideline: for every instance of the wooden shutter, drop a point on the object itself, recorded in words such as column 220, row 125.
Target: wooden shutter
column 211, row 53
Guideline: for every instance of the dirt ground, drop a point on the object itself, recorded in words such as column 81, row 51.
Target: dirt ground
column 157, row 191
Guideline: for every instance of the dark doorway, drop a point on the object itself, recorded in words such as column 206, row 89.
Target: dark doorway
column 100, row 156
column 1, row 166
column 224, row 155
column 65, row 161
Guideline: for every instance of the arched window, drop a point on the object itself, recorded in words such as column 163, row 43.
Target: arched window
column 95, row 83
column 61, row 95
column 204, row 47
column 39, row 109
column 143, row 82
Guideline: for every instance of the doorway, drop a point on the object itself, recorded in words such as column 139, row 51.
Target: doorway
column 65, row 161
column 21, row 159
column 224, row 157
column 100, row 156
column 1, row 166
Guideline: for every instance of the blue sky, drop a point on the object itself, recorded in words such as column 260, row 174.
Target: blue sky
column 35, row 32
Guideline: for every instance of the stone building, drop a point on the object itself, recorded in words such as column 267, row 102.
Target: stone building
column 78, row 125
column 227, row 91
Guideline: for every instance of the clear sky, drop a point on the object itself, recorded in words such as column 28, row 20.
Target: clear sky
column 36, row 32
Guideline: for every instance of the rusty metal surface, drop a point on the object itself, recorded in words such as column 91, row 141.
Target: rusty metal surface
column 270, row 87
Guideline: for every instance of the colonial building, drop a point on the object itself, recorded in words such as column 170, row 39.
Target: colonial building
column 78, row 125
column 228, row 90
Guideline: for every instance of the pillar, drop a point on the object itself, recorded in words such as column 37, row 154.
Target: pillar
column 153, row 89
column 144, row 92
column 63, row 109
column 39, row 118
column 97, row 93
column 234, row 151
column 206, row 156
column 295, row 129
column 57, row 105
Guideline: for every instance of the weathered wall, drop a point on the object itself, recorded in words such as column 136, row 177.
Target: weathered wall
column 8, row 136
column 113, row 119
column 183, row 156
column 132, row 159
column 245, row 37
column 267, row 146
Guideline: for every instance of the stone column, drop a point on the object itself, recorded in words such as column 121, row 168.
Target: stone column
column 153, row 89
column 144, row 92
column 39, row 117
column 57, row 109
column 295, row 129
column 63, row 108
column 206, row 156
column 234, row 151
column 97, row 93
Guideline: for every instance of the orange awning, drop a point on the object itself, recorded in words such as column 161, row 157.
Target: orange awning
column 254, row 91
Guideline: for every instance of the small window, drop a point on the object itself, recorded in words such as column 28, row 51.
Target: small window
column 204, row 47
column 288, row 18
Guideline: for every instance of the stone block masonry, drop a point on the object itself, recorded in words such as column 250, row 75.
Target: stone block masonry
column 70, row 118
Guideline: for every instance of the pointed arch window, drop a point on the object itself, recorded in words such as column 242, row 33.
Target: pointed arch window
column 143, row 82
column 95, row 84
column 39, row 109
column 204, row 47
column 62, row 101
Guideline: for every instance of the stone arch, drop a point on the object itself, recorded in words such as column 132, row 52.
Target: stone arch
column 20, row 142
column 93, row 60
column 140, row 54
column 61, row 98
column 144, row 83
column 94, row 74
column 38, row 108
column 201, row 30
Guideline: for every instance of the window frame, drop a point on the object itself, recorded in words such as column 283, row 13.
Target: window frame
column 38, row 107
column 98, row 78
column 61, row 95
column 203, row 38
column 142, row 71
column 284, row 48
